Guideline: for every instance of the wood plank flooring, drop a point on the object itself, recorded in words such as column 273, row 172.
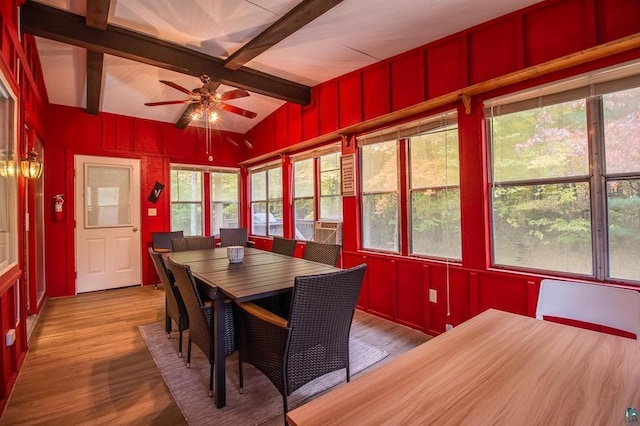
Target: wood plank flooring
column 88, row 364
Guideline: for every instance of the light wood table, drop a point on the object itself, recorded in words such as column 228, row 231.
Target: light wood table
column 496, row 368
column 260, row 274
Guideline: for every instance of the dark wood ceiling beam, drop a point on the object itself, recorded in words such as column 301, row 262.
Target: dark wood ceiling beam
column 295, row 19
column 94, row 81
column 54, row 24
column 97, row 17
column 98, row 13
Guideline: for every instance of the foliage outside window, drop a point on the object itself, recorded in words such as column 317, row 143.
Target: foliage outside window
column 303, row 199
column 380, row 194
column 224, row 201
column 186, row 201
column 561, row 172
column 434, row 177
column 266, row 201
column 8, row 180
column 305, row 183
column 330, row 207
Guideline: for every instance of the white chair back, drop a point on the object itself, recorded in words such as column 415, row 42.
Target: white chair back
column 596, row 304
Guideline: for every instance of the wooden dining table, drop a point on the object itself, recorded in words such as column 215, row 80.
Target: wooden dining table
column 260, row 274
column 497, row 368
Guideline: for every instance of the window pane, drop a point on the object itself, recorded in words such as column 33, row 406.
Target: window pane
column 275, row 218
column 8, row 182
column 541, row 143
column 434, row 159
column 623, row 205
column 224, row 215
column 533, row 224
column 622, row 131
column 330, row 183
column 380, row 167
column 435, row 226
column 186, row 185
column 330, row 162
column 107, row 196
column 380, row 222
column 304, row 220
column 259, row 186
column 331, row 208
column 225, row 199
column 275, row 183
column 224, row 187
column 186, row 217
column 303, row 178
column 259, row 218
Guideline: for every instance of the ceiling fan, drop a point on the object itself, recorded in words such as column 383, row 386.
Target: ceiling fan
column 206, row 101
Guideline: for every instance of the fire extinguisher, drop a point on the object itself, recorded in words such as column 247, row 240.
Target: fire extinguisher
column 58, row 202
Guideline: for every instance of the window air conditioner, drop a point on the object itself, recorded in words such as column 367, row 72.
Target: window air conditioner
column 328, row 232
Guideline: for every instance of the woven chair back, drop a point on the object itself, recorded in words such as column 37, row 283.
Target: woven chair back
column 322, row 253
column 233, row 237
column 284, row 246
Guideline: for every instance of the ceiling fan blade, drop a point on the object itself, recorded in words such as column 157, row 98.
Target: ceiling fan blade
column 185, row 118
column 232, row 94
column 239, row 111
column 178, row 87
column 186, row 101
column 211, row 86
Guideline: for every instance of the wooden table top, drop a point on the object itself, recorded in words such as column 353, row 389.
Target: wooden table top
column 260, row 274
column 496, row 368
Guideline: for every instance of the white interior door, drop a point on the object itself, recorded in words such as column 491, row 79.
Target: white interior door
column 107, row 217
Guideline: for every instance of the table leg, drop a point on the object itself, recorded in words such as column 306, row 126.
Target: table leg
column 219, row 350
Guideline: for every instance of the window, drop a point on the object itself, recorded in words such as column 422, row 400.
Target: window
column 380, row 194
column 225, row 211
column 565, row 165
column 432, row 191
column 192, row 200
column 303, row 199
column 8, row 179
column 307, row 183
column 434, row 186
column 186, row 201
column 266, row 201
column 330, row 207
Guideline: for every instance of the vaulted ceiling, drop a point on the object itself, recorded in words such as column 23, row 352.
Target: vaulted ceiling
column 111, row 55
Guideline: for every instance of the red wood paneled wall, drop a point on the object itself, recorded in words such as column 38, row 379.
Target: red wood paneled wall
column 18, row 62
column 397, row 287
column 73, row 132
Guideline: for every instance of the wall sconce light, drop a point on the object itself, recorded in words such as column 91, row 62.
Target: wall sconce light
column 30, row 166
column 7, row 166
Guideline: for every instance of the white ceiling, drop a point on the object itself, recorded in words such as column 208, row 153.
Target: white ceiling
column 352, row 35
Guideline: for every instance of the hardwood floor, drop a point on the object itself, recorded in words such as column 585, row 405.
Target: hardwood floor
column 87, row 363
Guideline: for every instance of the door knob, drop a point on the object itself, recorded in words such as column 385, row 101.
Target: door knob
column 135, row 229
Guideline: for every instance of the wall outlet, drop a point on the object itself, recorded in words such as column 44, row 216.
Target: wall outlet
column 433, row 295
column 447, row 327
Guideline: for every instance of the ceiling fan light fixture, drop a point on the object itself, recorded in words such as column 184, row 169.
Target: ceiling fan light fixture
column 196, row 115
column 213, row 117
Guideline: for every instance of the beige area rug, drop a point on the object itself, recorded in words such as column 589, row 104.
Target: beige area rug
column 260, row 401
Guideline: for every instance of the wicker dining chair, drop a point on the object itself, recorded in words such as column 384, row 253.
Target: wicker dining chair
column 234, row 237
column 161, row 241
column 200, row 318
column 284, row 246
column 173, row 303
column 322, row 253
column 314, row 340
column 192, row 243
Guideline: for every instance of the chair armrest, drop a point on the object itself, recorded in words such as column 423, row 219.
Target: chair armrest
column 263, row 314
